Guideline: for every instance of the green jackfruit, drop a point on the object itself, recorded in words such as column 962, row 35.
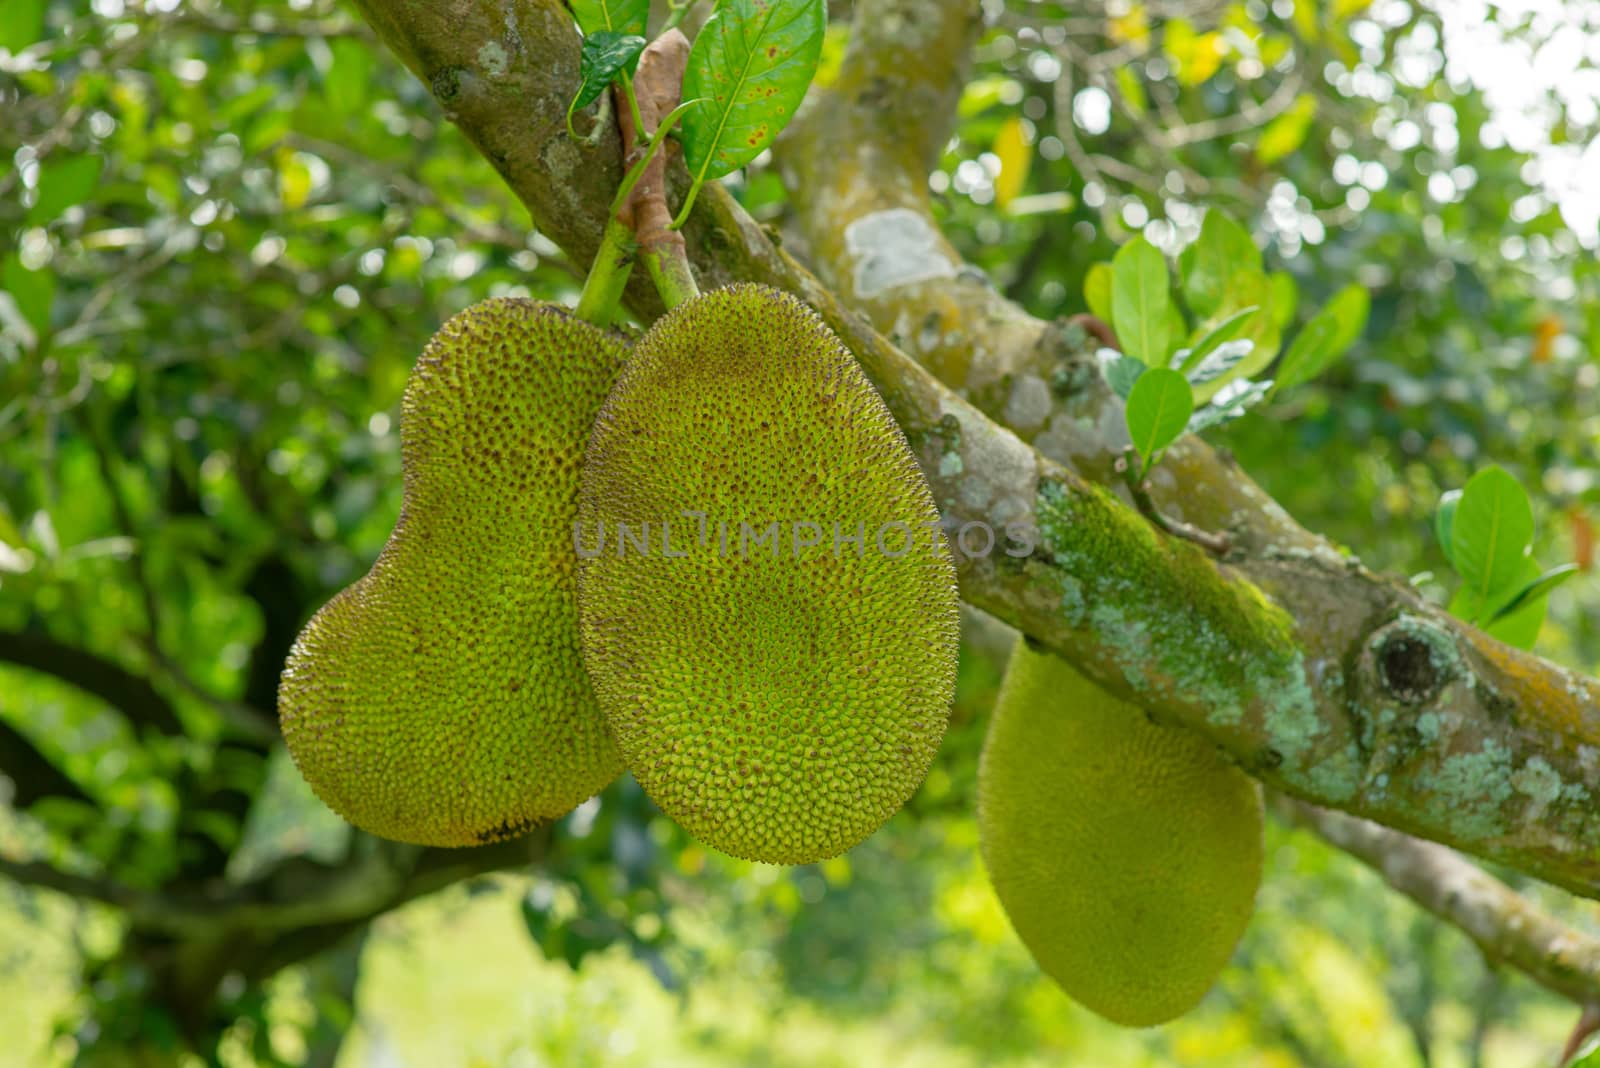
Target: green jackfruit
column 774, row 654
column 1126, row 854
column 441, row 699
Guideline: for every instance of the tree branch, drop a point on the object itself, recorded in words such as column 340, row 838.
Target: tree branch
column 1506, row 926
column 32, row 775
column 131, row 694
column 297, row 893
column 1324, row 680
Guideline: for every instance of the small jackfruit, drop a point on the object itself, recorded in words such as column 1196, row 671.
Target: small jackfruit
column 768, row 608
column 1126, row 854
column 441, row 699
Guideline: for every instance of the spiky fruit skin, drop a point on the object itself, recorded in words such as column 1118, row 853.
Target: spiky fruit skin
column 1126, row 854
column 441, row 699
column 780, row 709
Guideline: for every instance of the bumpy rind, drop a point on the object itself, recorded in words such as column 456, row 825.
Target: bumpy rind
column 441, row 699
column 780, row 709
column 1126, row 854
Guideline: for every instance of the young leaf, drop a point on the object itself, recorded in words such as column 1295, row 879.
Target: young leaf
column 1177, row 330
column 1097, row 291
column 1231, row 401
column 751, row 63
column 1209, row 263
column 1140, row 302
column 1309, row 353
column 1491, row 532
column 1224, row 358
column 1349, row 308
column 605, row 54
column 1285, row 295
column 1287, row 132
column 1223, row 331
column 1325, row 338
column 1121, row 373
column 1538, row 588
column 1518, row 627
column 1015, row 154
column 1444, row 521
column 1158, row 410
column 615, row 16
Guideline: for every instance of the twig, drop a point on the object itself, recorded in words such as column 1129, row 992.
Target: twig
column 1588, row 1023
column 222, row 24
column 1127, row 465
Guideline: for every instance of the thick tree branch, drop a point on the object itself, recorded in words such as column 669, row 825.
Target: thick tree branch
column 1324, row 680
column 1506, row 926
column 297, row 893
column 130, row 694
column 32, row 775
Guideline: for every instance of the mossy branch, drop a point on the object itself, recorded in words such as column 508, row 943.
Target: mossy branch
column 1326, row 681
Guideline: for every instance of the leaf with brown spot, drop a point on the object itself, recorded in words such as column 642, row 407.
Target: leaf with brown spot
column 750, row 65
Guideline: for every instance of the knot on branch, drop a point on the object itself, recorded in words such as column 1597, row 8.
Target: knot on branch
column 1413, row 659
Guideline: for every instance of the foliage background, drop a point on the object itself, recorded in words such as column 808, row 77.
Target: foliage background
column 225, row 232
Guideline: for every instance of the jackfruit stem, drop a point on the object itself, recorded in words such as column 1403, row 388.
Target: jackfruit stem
column 668, row 264
column 654, row 144
column 608, row 276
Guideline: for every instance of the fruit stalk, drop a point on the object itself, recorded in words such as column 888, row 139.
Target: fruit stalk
column 608, row 277
column 659, row 86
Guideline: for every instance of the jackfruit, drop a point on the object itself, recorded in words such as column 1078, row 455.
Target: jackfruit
column 441, row 699
column 1126, row 854
column 767, row 604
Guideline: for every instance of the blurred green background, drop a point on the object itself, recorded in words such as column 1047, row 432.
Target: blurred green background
column 227, row 229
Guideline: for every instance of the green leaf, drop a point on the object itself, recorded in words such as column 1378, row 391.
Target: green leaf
column 1132, row 90
column 1177, row 330
column 32, row 291
column 1097, row 291
column 604, row 55
column 1121, row 373
column 615, row 16
column 1309, row 353
column 1246, row 288
column 1285, row 295
column 1348, row 308
column 981, row 94
column 1223, row 331
column 751, row 65
column 1539, row 588
column 1287, row 132
column 1520, row 625
column 1491, row 532
column 1223, row 359
column 1326, row 337
column 1444, row 521
column 1140, row 303
column 348, row 75
column 1209, row 263
column 1158, row 410
column 62, row 184
column 22, row 24
column 1231, row 401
